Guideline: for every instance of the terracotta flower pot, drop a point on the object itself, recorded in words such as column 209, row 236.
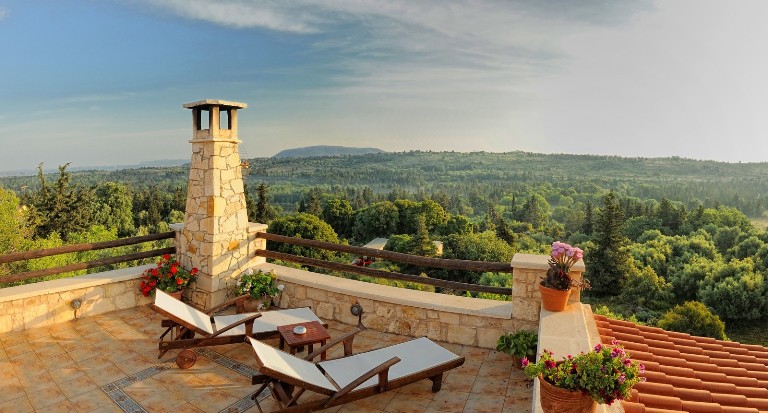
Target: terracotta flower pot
column 252, row 305
column 176, row 295
column 554, row 300
column 557, row 400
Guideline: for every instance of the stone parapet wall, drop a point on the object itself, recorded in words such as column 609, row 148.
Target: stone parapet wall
column 49, row 302
column 453, row 319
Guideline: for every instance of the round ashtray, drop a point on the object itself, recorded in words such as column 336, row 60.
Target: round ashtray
column 299, row 330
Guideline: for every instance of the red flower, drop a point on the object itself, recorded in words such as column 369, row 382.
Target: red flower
column 193, row 271
column 153, row 272
column 166, row 257
column 179, row 281
column 174, row 270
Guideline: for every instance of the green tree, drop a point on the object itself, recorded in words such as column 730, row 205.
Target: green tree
column 607, row 263
column 693, row 318
column 421, row 244
column 647, row 289
column 589, row 223
column 484, row 246
column 338, row 213
column 114, row 208
column 63, row 208
column 15, row 232
column 264, row 212
column 377, row 220
column 535, row 211
column 303, row 225
column 735, row 291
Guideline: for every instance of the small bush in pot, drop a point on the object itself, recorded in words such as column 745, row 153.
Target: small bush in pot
column 261, row 286
column 522, row 344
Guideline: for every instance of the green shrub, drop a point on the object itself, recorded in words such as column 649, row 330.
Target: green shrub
column 693, row 318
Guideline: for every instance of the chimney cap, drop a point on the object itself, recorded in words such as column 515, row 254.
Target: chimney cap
column 207, row 103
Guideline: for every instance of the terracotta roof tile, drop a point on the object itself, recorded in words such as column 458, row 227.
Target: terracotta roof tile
column 689, row 373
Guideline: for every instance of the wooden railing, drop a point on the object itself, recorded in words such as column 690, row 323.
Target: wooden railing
column 66, row 249
column 462, row 265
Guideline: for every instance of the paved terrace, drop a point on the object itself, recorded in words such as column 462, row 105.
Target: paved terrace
column 108, row 363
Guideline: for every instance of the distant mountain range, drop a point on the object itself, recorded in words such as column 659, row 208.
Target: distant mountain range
column 147, row 164
column 324, row 150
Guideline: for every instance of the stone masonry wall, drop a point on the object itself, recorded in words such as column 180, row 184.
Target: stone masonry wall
column 528, row 270
column 47, row 303
column 473, row 330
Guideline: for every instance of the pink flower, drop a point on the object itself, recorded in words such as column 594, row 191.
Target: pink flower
column 549, row 364
column 524, row 362
column 598, row 348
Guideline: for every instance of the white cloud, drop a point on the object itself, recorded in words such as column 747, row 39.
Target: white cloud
column 4, row 12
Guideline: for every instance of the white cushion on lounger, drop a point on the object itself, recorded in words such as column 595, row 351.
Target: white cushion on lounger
column 269, row 320
column 291, row 366
column 415, row 356
column 183, row 311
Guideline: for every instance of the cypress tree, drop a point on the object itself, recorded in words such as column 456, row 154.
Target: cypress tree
column 607, row 264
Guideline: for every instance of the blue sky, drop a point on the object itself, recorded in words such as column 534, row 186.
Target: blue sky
column 102, row 82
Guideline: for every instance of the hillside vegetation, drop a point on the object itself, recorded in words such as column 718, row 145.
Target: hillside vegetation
column 663, row 237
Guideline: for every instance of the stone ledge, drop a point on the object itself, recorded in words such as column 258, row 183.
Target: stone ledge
column 394, row 295
column 539, row 262
column 72, row 283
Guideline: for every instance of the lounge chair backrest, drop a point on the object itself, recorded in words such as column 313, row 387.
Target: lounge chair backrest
column 184, row 312
column 290, row 366
column 416, row 356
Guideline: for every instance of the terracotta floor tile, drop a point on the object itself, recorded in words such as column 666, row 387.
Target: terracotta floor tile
column 377, row 402
column 64, row 406
column 58, row 361
column 163, row 402
column 17, row 405
column 145, row 390
column 12, row 389
column 46, row 397
column 189, row 408
column 66, row 373
column 3, row 355
column 490, row 385
column 33, row 384
column 353, row 408
column 422, row 388
column 107, row 408
column 17, row 349
column 35, row 333
column 449, row 402
column 461, row 382
column 105, row 375
column 94, row 363
column 135, row 364
column 215, row 401
column 90, row 400
column 484, row 403
column 406, row 403
column 12, row 339
column 77, row 386
column 81, row 353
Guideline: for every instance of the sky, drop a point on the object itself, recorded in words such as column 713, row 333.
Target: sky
column 99, row 83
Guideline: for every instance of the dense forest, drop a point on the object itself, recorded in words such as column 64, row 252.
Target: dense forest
column 668, row 241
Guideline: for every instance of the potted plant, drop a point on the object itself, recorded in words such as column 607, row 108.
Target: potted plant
column 168, row 276
column 556, row 286
column 260, row 287
column 522, row 344
column 574, row 384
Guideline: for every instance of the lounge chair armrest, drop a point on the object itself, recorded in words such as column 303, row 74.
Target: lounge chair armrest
column 346, row 339
column 235, row 324
column 226, row 304
column 382, row 370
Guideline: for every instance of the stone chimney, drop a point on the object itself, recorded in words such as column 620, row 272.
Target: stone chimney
column 215, row 234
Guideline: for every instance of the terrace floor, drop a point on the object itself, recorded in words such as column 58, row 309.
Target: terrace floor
column 109, row 363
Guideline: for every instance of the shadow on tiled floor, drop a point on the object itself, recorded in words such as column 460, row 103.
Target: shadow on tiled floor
column 68, row 367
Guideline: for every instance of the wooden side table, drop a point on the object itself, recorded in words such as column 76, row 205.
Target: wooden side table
column 316, row 333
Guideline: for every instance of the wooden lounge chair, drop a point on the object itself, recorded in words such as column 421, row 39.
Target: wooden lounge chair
column 349, row 378
column 185, row 321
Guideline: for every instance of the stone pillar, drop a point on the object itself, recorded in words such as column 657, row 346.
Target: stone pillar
column 216, row 236
column 528, row 271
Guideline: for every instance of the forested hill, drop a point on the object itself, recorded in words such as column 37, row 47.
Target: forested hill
column 741, row 185
column 324, row 150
